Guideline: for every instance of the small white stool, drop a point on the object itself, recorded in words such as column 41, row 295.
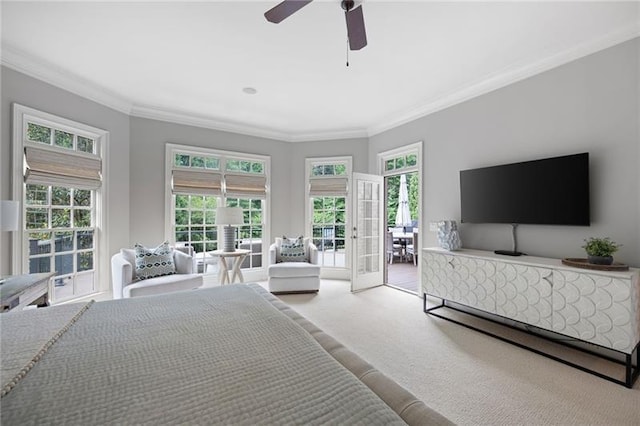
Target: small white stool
column 294, row 277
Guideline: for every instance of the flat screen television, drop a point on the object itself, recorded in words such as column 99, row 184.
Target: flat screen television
column 551, row 191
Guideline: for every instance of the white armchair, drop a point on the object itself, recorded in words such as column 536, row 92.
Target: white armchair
column 126, row 284
column 294, row 277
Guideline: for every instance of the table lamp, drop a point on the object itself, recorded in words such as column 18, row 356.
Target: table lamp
column 227, row 217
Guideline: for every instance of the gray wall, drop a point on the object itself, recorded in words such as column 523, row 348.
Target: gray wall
column 587, row 105
column 148, row 139
column 357, row 149
column 30, row 92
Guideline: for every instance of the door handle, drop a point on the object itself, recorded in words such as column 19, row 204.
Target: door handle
column 354, row 235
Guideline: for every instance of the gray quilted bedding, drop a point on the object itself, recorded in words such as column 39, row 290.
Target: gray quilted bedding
column 223, row 355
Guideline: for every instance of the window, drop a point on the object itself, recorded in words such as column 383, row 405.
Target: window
column 251, row 233
column 195, row 218
column 327, row 199
column 401, row 162
column 200, row 180
column 393, row 165
column 61, row 192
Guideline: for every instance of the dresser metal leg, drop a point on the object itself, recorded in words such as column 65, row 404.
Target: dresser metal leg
column 631, row 372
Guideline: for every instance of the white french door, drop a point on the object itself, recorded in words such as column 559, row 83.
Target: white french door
column 368, row 248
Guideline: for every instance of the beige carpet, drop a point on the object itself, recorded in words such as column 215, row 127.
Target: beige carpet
column 467, row 376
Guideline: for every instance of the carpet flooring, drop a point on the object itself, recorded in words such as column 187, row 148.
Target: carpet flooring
column 471, row 378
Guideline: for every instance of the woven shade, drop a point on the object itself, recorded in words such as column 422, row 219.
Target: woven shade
column 249, row 186
column 196, row 182
column 324, row 187
column 58, row 167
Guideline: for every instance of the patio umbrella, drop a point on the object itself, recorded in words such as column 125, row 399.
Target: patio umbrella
column 403, row 215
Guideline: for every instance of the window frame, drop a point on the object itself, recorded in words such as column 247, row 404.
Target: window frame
column 393, row 154
column 337, row 272
column 22, row 115
column 382, row 158
column 171, row 149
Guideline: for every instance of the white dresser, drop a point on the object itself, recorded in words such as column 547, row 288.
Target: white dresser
column 599, row 307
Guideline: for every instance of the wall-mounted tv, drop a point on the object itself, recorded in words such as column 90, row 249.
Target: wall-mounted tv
column 551, row 191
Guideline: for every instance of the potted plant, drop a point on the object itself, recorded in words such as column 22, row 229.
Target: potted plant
column 600, row 250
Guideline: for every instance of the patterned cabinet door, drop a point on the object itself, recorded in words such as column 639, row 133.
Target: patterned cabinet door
column 462, row 279
column 436, row 275
column 597, row 308
column 523, row 293
column 475, row 282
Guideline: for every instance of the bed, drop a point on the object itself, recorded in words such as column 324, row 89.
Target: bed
column 226, row 355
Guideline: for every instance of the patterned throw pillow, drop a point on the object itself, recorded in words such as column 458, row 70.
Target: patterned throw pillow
column 292, row 250
column 154, row 262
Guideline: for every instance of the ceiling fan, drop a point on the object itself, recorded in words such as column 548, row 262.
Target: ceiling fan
column 355, row 20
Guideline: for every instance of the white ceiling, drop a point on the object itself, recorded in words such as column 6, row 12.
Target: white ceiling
column 188, row 62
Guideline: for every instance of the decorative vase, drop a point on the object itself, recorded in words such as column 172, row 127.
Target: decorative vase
column 600, row 260
column 448, row 236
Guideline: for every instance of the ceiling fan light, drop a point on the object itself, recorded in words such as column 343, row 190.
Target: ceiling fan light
column 347, row 5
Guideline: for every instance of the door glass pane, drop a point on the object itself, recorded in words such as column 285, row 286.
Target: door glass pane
column 368, row 224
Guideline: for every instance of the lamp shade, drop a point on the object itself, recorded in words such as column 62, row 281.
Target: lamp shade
column 229, row 216
column 9, row 214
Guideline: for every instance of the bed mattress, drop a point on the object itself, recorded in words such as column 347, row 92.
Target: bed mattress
column 227, row 355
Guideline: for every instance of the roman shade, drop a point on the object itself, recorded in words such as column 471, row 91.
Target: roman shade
column 62, row 167
column 328, row 186
column 249, row 186
column 193, row 181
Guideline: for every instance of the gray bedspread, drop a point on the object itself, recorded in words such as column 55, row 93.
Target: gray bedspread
column 223, row 355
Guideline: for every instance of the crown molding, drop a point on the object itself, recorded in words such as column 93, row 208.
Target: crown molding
column 507, row 77
column 240, row 128
column 18, row 60
column 330, row 135
column 178, row 117
column 24, row 63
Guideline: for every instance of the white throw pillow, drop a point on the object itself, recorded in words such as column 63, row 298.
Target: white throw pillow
column 293, row 249
column 154, row 262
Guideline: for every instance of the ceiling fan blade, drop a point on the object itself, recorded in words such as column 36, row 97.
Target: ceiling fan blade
column 285, row 9
column 355, row 28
